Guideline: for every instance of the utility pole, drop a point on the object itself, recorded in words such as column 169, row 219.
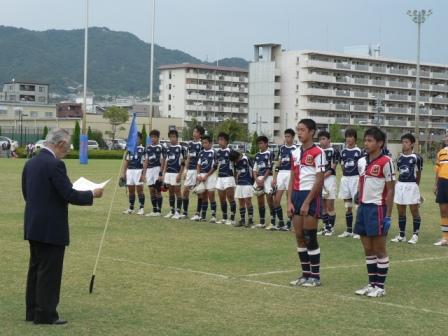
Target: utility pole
column 419, row 17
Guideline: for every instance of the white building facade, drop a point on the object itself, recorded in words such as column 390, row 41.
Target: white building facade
column 286, row 86
column 209, row 94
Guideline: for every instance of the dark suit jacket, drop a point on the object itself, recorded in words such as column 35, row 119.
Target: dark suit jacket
column 47, row 191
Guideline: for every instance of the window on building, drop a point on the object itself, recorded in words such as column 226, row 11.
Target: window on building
column 3, row 110
column 171, row 127
column 170, row 75
column 169, row 86
column 48, row 114
column 33, row 114
column 169, row 107
column 169, row 97
column 41, row 89
column 41, row 99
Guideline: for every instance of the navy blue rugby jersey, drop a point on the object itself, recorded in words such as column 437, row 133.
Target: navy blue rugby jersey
column 244, row 171
column 408, row 167
column 193, row 150
column 136, row 161
column 349, row 161
column 175, row 155
column 207, row 160
column 225, row 166
column 264, row 161
column 333, row 157
column 284, row 157
column 154, row 155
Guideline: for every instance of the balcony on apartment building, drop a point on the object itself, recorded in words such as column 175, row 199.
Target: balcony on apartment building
column 397, row 70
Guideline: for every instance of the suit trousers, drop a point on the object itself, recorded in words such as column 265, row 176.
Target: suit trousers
column 44, row 282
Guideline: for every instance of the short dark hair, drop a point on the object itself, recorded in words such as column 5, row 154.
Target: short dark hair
column 408, row 136
column 351, row 133
column 173, row 132
column 207, row 137
column 200, row 129
column 324, row 134
column 155, row 132
column 262, row 138
column 234, row 155
column 224, row 135
column 310, row 124
column 290, row 131
column 139, row 135
column 377, row 134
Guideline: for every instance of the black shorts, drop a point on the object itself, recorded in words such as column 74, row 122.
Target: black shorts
column 442, row 191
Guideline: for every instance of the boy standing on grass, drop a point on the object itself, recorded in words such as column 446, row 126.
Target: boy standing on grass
column 329, row 189
column 441, row 191
column 304, row 201
column 194, row 147
column 244, row 190
column 155, row 154
column 281, row 177
column 407, row 190
column 134, row 170
column 350, row 177
column 172, row 172
column 264, row 160
column 226, row 180
column 376, row 197
column 206, row 174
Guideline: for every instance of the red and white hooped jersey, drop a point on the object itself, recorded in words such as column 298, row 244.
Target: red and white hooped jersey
column 306, row 164
column 373, row 178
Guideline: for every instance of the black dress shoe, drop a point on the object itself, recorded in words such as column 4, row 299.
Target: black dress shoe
column 55, row 322
column 60, row 322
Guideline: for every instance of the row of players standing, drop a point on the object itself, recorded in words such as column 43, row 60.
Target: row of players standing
column 196, row 165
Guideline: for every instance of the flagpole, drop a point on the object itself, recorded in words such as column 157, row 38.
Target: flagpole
column 151, row 81
column 92, row 279
column 83, row 140
column 131, row 148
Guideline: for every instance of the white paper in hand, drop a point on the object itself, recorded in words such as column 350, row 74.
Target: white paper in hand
column 83, row 184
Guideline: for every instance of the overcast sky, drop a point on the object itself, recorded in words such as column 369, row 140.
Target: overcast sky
column 225, row 28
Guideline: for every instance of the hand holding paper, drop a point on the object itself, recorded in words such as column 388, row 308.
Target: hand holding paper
column 83, row 184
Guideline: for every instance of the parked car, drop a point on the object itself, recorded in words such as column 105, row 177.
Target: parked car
column 4, row 140
column 118, row 144
column 92, row 144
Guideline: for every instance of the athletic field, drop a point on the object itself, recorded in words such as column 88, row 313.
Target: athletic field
column 167, row 277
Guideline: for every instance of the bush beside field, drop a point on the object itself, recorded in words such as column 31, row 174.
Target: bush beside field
column 93, row 154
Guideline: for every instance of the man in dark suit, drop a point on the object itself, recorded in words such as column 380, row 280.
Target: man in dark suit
column 47, row 191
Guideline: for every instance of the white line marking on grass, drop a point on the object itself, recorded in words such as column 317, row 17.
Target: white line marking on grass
column 393, row 262
column 180, row 269
column 350, row 298
column 270, row 284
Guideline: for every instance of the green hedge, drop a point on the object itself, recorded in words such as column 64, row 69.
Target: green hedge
column 93, row 154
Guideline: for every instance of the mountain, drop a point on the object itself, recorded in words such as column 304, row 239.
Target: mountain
column 118, row 61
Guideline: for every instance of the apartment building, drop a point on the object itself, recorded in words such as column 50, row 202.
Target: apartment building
column 286, row 86
column 25, row 92
column 207, row 93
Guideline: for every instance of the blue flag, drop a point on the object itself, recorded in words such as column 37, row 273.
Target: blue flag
column 132, row 137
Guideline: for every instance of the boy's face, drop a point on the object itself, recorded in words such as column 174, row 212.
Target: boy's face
column 324, row 142
column 173, row 139
column 154, row 139
column 196, row 134
column 206, row 144
column 406, row 145
column 371, row 145
column 289, row 139
column 222, row 142
column 350, row 141
column 303, row 133
column 262, row 146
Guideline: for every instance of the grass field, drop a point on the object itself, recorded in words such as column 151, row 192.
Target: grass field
column 166, row 277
